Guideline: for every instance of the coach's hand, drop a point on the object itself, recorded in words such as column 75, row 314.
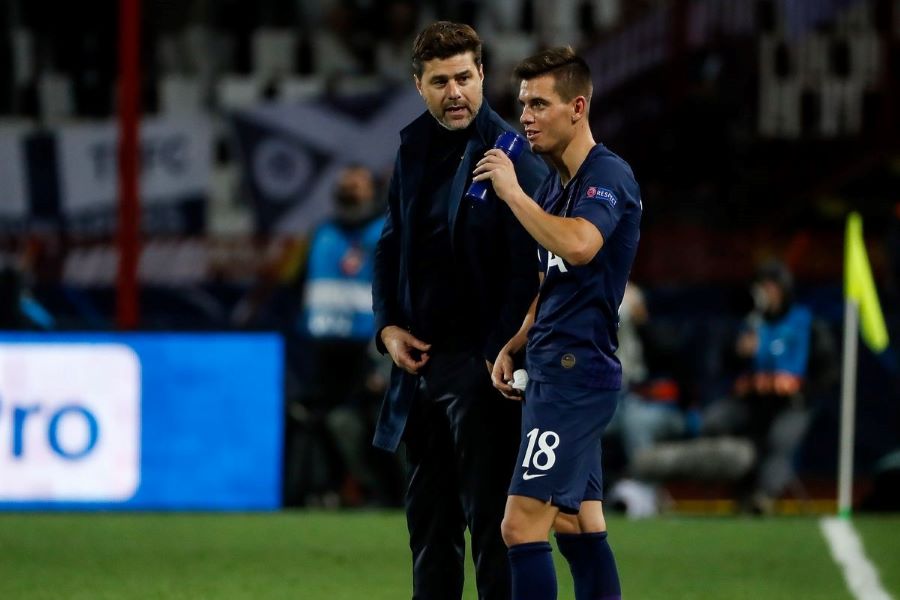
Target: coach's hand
column 408, row 352
column 499, row 170
column 502, row 373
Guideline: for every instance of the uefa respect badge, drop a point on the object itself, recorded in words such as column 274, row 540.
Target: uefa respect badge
column 69, row 422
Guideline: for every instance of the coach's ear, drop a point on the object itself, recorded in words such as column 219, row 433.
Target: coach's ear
column 579, row 108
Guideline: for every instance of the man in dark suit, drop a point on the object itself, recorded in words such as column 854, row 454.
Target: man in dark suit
column 453, row 280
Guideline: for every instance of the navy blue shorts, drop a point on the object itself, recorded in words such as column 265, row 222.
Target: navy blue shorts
column 559, row 455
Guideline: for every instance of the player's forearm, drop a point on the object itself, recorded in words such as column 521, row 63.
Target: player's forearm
column 575, row 240
column 518, row 341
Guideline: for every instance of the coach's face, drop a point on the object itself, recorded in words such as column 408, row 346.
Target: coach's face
column 451, row 88
column 547, row 118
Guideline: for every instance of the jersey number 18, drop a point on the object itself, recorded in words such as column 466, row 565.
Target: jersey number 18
column 544, row 458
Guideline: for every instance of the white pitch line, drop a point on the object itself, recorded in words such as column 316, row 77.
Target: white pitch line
column 847, row 550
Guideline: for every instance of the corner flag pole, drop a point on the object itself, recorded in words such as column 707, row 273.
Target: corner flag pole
column 848, row 408
column 129, row 210
column 862, row 313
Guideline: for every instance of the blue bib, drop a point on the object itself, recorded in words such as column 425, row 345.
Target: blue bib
column 337, row 299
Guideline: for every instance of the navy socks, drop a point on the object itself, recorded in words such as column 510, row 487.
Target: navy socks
column 590, row 560
column 533, row 576
column 592, row 564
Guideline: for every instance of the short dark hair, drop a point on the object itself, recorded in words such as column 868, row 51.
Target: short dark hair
column 444, row 39
column 572, row 75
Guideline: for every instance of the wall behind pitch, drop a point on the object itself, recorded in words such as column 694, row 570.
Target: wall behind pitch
column 140, row 421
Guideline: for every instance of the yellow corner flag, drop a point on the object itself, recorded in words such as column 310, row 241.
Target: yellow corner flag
column 860, row 286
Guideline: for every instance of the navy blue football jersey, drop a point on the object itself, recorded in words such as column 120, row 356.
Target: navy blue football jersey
column 573, row 339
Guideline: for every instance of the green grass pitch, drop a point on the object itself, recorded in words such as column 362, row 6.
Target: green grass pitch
column 360, row 555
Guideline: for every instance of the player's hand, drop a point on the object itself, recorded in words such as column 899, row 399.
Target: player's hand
column 502, row 376
column 499, row 170
column 407, row 351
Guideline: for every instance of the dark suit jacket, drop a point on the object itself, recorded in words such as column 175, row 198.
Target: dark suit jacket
column 490, row 244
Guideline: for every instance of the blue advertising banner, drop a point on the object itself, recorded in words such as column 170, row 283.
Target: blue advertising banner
column 140, row 421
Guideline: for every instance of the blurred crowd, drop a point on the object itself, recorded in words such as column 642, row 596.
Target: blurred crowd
column 208, row 53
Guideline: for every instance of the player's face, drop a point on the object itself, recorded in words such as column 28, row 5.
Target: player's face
column 451, row 88
column 547, row 118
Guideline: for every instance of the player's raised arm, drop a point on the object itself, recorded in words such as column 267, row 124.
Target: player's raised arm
column 545, row 107
column 576, row 240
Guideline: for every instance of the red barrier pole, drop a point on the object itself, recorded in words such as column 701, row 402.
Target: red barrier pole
column 129, row 209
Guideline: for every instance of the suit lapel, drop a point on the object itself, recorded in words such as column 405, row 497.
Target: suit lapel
column 414, row 151
column 466, row 165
